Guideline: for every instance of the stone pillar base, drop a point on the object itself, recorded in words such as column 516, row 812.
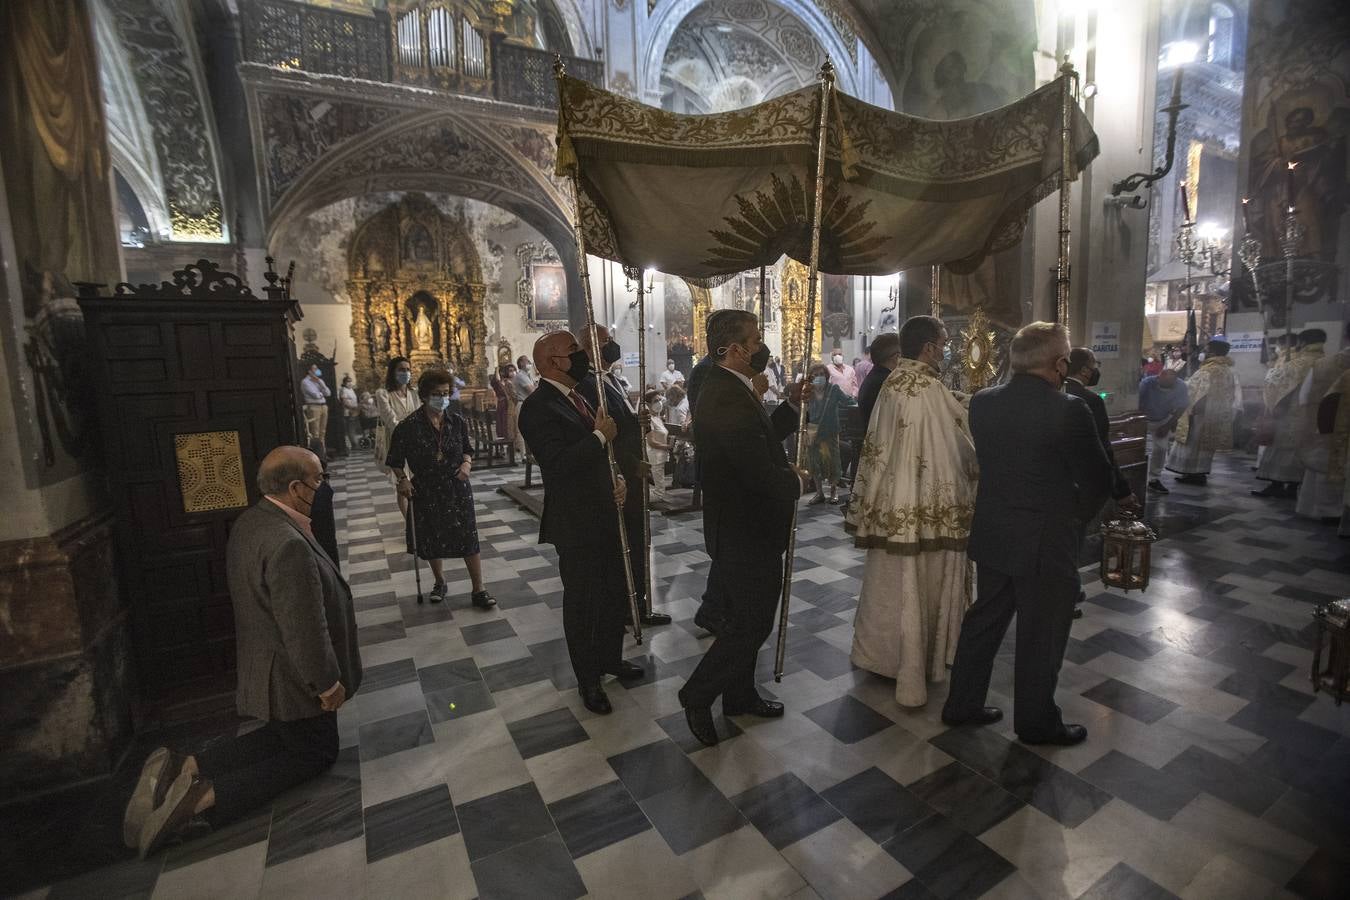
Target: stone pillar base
column 65, row 660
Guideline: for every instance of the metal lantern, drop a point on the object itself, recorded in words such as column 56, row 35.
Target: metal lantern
column 1126, row 546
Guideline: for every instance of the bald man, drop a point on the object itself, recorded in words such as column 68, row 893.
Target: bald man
column 627, row 453
column 298, row 663
column 567, row 436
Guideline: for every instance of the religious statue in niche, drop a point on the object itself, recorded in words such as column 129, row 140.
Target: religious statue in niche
column 423, row 336
column 379, row 333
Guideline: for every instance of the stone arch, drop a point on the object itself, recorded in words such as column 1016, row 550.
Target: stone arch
column 438, row 152
column 667, row 17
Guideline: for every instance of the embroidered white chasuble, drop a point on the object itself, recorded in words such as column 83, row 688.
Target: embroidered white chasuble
column 913, row 499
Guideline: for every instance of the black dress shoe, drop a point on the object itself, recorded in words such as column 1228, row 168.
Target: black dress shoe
column 625, row 669
column 701, row 725
column 1200, row 480
column 1157, row 486
column 594, row 699
column 764, row 709
column 654, row 619
column 1067, row 736
column 710, row 622
column 1078, row 612
column 1272, row 489
column 987, row 715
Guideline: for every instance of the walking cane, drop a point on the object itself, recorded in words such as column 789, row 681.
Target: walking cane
column 412, row 532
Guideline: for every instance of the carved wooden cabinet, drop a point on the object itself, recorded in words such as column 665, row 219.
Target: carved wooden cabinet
column 195, row 383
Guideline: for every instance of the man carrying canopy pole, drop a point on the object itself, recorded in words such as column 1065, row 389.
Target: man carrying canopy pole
column 891, row 192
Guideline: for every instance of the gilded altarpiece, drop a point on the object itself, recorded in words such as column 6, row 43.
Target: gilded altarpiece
column 416, row 288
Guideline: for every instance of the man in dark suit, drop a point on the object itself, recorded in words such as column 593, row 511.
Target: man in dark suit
column 885, row 352
column 1084, row 373
column 298, row 663
column 628, row 454
column 749, row 494
column 568, row 437
column 1043, row 472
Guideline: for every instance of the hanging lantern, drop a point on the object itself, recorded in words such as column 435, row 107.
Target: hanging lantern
column 1126, row 545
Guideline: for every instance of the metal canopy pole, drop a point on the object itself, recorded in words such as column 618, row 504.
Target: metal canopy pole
column 826, row 88
column 1067, row 72
column 559, row 71
column 644, row 425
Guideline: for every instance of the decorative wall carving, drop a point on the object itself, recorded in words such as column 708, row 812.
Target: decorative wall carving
column 167, row 75
column 297, row 131
column 416, row 286
column 1297, row 109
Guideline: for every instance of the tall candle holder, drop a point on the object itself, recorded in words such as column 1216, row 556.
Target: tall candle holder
column 1291, row 241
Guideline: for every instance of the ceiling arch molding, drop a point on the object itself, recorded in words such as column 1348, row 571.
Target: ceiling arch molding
column 667, row 18
column 162, row 57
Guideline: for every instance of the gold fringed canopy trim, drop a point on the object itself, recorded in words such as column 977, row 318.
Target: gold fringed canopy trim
column 706, row 197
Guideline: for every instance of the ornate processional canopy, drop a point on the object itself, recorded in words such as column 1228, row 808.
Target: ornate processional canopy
column 706, row 197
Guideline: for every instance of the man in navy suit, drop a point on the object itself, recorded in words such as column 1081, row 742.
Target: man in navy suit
column 568, row 438
column 750, row 491
column 1043, row 472
column 628, row 455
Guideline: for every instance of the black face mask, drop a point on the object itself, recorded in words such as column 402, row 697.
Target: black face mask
column 580, row 365
column 610, row 353
column 759, row 360
column 1095, row 377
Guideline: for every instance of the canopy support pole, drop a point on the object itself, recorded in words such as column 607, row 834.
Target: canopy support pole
column 826, row 87
column 935, row 290
column 644, row 426
column 1067, row 72
column 559, row 71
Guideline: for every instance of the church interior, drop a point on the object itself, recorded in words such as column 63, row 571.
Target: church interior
column 203, row 201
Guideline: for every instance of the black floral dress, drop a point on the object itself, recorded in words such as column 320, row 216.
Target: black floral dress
column 442, row 504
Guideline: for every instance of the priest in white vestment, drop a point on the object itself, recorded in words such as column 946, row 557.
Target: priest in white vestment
column 1281, row 464
column 1338, row 398
column 911, row 507
column 1319, row 495
column 1206, row 427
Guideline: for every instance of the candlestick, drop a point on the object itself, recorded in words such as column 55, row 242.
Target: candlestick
column 1246, row 225
column 1185, row 204
column 1289, row 183
column 1176, row 86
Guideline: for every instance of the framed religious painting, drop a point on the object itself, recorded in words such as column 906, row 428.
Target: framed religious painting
column 542, row 289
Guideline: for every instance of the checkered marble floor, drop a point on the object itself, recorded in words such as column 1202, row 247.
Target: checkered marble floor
column 470, row 767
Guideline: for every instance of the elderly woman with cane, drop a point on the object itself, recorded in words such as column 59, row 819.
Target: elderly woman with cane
column 434, row 444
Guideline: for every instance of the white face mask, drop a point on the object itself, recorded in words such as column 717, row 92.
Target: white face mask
column 838, row 360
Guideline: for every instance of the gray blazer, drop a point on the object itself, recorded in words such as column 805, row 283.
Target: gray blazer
column 293, row 617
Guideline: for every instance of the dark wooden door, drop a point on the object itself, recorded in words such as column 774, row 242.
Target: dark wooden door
column 192, row 392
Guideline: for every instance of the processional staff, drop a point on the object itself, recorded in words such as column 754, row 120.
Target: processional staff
column 644, row 430
column 1066, row 170
column 559, row 70
column 813, row 275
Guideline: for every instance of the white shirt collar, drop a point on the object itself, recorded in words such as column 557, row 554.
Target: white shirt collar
column 562, row 389
column 749, row 386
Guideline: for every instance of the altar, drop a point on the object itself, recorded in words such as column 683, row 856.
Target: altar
column 416, row 285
